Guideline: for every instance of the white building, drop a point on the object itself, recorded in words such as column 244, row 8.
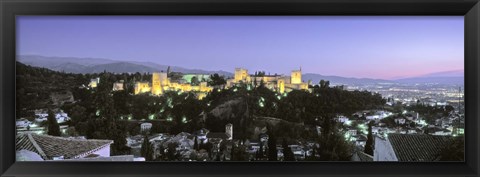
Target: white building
column 22, row 123
column 118, row 86
column 62, row 117
column 144, row 127
column 400, row 121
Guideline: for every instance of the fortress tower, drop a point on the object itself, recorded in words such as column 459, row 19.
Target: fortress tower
column 296, row 77
column 158, row 81
column 281, row 85
column 240, row 75
column 142, row 87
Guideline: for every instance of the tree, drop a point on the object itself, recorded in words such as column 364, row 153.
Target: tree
column 147, row 149
column 287, row 152
column 172, row 151
column 369, row 143
column 455, row 151
column 259, row 153
column 272, row 147
column 53, row 127
column 216, row 80
column 195, row 81
column 333, row 146
column 162, row 153
column 77, row 113
column 324, row 84
column 449, row 108
column 195, row 144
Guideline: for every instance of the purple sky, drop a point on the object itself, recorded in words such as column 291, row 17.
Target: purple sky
column 352, row 46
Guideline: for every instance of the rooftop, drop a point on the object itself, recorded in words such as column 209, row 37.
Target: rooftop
column 217, row 135
column 417, row 147
column 51, row 146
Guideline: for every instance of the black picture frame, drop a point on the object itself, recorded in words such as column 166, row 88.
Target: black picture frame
column 470, row 9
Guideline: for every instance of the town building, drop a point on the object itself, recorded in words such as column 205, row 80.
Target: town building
column 118, row 86
column 94, row 82
column 145, row 127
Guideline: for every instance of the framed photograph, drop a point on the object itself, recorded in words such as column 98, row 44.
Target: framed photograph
column 240, row 88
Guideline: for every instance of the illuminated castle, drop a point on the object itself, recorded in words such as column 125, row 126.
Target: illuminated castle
column 161, row 83
column 275, row 82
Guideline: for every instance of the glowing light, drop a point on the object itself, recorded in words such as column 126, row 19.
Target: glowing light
column 184, row 119
column 169, row 119
column 151, row 116
column 169, row 102
column 279, row 97
column 129, row 117
column 235, row 90
column 249, row 87
column 97, row 113
column 261, row 104
column 348, row 122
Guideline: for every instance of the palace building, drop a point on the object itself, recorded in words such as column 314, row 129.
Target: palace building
column 275, row 82
column 161, row 83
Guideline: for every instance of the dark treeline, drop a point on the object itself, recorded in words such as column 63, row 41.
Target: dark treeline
column 298, row 105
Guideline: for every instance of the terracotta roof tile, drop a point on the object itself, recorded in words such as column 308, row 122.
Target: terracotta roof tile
column 52, row 146
column 417, row 147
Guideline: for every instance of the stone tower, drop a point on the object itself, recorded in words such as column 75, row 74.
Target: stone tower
column 240, row 75
column 296, row 77
column 158, row 81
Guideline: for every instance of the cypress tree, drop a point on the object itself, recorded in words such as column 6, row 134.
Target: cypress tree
column 272, row 148
column 147, row 150
column 195, row 144
column 287, row 152
column 369, row 143
column 53, row 127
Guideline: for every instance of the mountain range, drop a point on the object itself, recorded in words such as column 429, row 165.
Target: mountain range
column 96, row 65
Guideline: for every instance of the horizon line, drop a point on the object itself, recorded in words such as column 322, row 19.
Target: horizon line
column 327, row 75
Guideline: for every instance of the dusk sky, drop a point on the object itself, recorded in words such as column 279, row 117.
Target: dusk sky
column 350, row 46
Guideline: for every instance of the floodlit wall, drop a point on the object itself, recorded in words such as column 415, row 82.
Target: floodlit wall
column 296, row 77
column 142, row 87
column 241, row 75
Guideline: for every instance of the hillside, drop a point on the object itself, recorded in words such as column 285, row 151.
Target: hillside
column 97, row 65
column 35, row 85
